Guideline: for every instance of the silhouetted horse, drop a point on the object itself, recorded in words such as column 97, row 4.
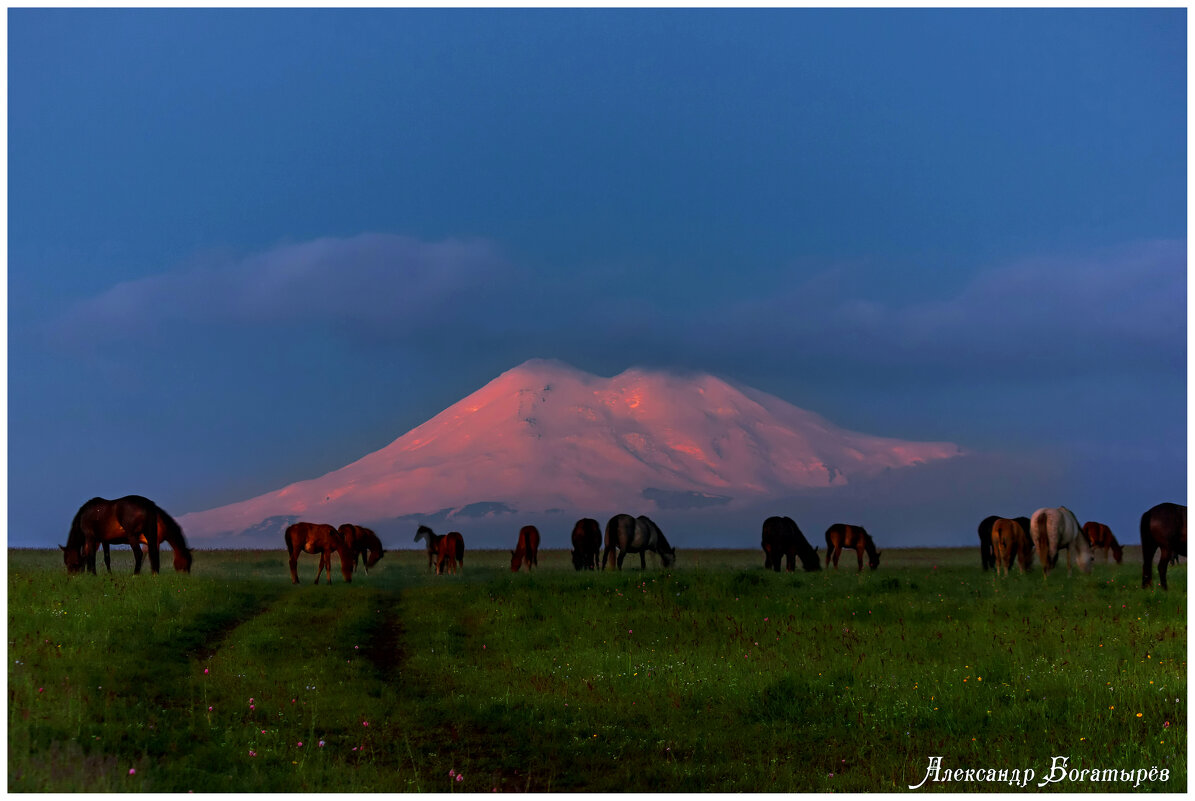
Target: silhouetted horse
column 451, row 552
column 1164, row 528
column 321, row 539
column 363, row 544
column 587, row 544
column 626, row 534
column 527, row 549
column 432, row 541
column 132, row 519
column 986, row 555
column 783, row 537
column 843, row 535
column 1009, row 540
column 1053, row 529
column 1101, row 538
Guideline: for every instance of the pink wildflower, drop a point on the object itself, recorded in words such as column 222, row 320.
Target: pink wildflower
column 460, row 776
column 132, row 771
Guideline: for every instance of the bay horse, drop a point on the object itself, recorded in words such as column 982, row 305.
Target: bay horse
column 844, row 535
column 1101, row 538
column 182, row 554
column 322, row 539
column 527, row 549
column 626, row 534
column 1053, row 529
column 587, row 544
column 363, row 544
column 432, row 541
column 783, row 537
column 133, row 519
column 1164, row 528
column 986, row 553
column 451, row 551
column 1010, row 540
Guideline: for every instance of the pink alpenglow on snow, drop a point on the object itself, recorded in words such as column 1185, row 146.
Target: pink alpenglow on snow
column 547, row 436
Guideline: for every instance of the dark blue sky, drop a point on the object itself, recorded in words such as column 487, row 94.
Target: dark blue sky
column 247, row 247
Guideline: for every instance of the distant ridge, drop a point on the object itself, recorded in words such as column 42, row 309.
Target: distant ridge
column 545, row 436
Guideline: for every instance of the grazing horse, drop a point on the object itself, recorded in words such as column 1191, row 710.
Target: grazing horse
column 432, row 540
column 527, row 549
column 626, row 534
column 1009, row 540
column 587, row 544
column 1053, row 529
column 1101, row 538
column 363, row 544
column 843, row 535
column 783, row 537
column 322, row 539
column 450, row 552
column 986, row 555
column 125, row 520
column 1164, row 528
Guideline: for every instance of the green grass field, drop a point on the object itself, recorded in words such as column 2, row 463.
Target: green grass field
column 714, row 675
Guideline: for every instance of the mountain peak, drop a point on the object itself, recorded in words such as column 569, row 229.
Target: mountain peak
column 545, row 435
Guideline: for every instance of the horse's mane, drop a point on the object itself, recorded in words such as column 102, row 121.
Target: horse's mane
column 74, row 538
column 869, row 544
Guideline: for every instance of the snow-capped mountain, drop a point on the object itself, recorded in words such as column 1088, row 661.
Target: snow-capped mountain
column 547, row 437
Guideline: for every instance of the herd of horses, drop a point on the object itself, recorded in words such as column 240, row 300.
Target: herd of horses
column 1049, row 531
column 137, row 521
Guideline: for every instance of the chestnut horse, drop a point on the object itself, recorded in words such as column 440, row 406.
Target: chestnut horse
column 363, row 544
column 1053, row 529
column 986, row 556
column 587, row 544
column 843, row 535
column 1164, row 528
column 182, row 554
column 322, row 539
column 451, row 552
column 1101, row 538
column 1010, row 540
column 100, row 522
column 783, row 537
column 432, row 541
column 526, row 549
column 626, row 534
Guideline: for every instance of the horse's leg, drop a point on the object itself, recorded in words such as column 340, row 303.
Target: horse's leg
column 837, row 551
column 151, row 540
column 791, row 565
column 136, row 556
column 643, row 560
column 108, row 557
column 1163, row 561
column 859, row 552
column 293, row 557
column 319, row 569
column 621, row 555
column 89, row 556
column 1147, row 558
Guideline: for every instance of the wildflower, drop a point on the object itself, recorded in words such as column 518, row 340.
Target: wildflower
column 1138, row 714
column 451, row 772
column 460, row 776
column 365, row 723
column 252, row 753
column 132, row 771
column 40, row 689
column 321, row 743
column 1166, row 725
column 299, row 744
column 205, row 671
column 209, row 709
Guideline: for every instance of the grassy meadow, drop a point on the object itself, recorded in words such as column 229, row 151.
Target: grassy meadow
column 714, row 675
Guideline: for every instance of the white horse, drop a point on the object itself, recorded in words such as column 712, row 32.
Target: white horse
column 1053, row 529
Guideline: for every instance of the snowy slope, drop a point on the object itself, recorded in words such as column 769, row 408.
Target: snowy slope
column 546, row 436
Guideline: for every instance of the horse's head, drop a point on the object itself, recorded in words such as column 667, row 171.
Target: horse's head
column 72, row 558
column 668, row 558
column 578, row 561
column 374, row 557
column 516, row 561
column 182, row 561
column 874, row 561
column 811, row 563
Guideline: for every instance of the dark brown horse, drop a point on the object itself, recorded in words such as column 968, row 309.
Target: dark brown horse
column 1163, row 528
column 451, row 552
column 1009, row 541
column 432, row 541
column 783, row 537
column 363, row 544
column 1101, row 538
column 843, row 535
column 182, row 554
column 986, row 555
column 322, row 539
column 587, row 544
column 134, row 520
column 527, row 549
column 626, row 534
